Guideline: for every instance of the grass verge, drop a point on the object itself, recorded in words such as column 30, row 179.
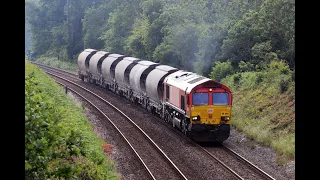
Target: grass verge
column 264, row 107
column 59, row 141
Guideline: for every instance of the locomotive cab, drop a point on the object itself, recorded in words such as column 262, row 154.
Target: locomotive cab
column 209, row 109
column 198, row 106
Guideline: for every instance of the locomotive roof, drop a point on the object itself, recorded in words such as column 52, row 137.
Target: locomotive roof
column 186, row 81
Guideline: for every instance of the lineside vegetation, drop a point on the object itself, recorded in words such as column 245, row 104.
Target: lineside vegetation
column 264, row 104
column 59, row 141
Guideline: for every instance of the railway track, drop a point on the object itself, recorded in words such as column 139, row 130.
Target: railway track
column 238, row 166
column 72, row 75
column 248, row 163
column 229, row 159
column 141, row 144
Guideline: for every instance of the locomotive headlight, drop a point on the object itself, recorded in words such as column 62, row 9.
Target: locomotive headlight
column 196, row 118
column 225, row 118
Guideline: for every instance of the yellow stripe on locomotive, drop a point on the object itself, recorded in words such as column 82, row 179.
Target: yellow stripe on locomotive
column 210, row 114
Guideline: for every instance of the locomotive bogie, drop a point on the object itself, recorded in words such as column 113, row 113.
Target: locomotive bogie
column 209, row 133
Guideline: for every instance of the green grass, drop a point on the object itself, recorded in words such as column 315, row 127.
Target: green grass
column 54, row 62
column 264, row 108
column 59, row 141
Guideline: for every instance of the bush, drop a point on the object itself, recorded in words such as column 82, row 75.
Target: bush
column 236, row 78
column 221, row 70
column 280, row 66
column 259, row 77
column 248, row 80
column 245, row 66
column 284, row 83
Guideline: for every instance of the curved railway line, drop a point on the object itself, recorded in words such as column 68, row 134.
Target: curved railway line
column 134, row 140
column 239, row 167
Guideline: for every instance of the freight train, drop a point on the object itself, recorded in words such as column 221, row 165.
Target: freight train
column 198, row 106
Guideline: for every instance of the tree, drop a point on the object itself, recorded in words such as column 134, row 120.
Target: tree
column 119, row 26
column 146, row 33
column 94, row 25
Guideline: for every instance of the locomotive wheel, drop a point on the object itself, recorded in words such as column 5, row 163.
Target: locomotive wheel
column 149, row 108
column 171, row 121
column 184, row 128
column 166, row 117
column 132, row 99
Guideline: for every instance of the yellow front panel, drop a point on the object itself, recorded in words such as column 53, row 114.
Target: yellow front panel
column 210, row 114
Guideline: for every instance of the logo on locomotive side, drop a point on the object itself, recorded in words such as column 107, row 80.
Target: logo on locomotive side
column 210, row 111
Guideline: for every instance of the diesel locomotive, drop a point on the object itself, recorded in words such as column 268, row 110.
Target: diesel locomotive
column 198, row 106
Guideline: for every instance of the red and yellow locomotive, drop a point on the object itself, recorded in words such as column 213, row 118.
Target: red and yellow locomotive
column 199, row 106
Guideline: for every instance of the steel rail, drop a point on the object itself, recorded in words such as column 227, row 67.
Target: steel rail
column 254, row 167
column 58, row 69
column 147, row 136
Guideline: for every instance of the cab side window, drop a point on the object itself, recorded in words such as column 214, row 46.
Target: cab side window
column 183, row 102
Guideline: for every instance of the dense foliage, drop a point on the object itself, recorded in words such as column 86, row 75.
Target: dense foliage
column 59, row 142
column 187, row 34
